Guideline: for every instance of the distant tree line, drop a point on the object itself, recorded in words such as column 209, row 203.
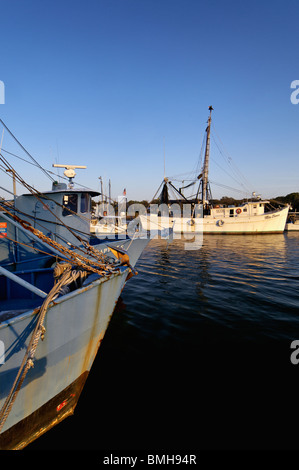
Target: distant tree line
column 292, row 199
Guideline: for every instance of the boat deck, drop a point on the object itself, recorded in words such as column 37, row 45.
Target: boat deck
column 16, row 299
column 13, row 307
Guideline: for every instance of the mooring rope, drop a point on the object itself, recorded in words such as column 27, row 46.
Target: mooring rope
column 64, row 275
column 100, row 266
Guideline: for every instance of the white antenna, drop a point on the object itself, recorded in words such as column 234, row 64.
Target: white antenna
column 69, row 171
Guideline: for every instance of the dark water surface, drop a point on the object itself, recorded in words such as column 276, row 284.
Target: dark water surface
column 197, row 354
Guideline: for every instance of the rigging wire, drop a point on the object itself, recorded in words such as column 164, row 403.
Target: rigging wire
column 222, row 169
column 38, row 195
column 196, row 169
column 237, row 178
column 23, row 148
column 84, row 247
column 235, row 174
column 48, row 171
column 227, row 157
column 228, row 187
column 42, row 195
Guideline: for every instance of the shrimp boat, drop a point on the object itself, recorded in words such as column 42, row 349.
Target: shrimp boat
column 58, row 291
column 200, row 215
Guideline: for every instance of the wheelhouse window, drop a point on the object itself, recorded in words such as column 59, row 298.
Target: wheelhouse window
column 85, row 203
column 70, row 203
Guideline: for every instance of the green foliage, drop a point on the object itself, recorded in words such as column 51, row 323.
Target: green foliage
column 292, row 199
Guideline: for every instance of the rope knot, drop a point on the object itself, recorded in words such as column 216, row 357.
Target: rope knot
column 61, row 268
column 43, row 331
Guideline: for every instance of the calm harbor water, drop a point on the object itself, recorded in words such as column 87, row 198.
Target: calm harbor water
column 197, row 354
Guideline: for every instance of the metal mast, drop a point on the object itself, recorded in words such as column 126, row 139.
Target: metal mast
column 102, row 195
column 206, row 162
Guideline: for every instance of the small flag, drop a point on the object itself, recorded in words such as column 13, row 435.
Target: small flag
column 125, row 192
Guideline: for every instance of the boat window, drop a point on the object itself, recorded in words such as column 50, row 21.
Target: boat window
column 245, row 209
column 70, row 203
column 85, row 203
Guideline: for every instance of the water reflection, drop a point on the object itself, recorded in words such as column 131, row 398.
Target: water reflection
column 247, row 284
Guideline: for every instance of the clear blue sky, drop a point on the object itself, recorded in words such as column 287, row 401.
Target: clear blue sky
column 106, row 82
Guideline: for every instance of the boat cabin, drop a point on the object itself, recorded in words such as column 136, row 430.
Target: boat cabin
column 250, row 208
column 52, row 213
column 71, row 206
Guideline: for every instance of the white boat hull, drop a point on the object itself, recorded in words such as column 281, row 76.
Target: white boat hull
column 292, row 227
column 269, row 222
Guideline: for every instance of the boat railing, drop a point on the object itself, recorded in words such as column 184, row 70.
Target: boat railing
column 18, row 280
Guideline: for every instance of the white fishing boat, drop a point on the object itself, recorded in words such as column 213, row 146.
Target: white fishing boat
column 107, row 225
column 58, row 291
column 292, row 227
column 200, row 215
column 48, row 347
